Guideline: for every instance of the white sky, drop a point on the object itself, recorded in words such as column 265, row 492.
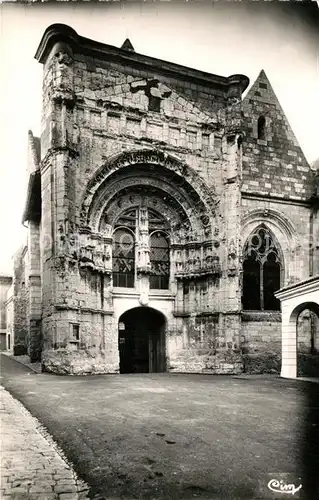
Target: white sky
column 218, row 38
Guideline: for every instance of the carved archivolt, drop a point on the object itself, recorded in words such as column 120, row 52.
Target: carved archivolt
column 131, row 191
column 158, row 164
column 164, row 185
column 276, row 221
column 153, row 199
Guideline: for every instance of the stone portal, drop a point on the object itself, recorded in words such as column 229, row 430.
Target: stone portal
column 142, row 341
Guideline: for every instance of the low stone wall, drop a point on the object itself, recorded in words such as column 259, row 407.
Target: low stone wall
column 219, row 362
column 81, row 362
column 266, row 362
column 261, row 342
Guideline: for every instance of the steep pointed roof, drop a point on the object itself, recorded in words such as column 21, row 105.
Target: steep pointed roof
column 273, row 161
column 262, row 91
column 127, row 45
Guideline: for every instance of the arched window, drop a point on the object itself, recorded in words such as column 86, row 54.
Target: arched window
column 261, row 127
column 159, row 257
column 123, row 258
column 261, row 272
column 127, row 226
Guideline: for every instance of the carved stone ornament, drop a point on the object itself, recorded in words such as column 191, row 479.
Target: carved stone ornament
column 63, row 58
column 232, row 258
column 95, row 254
column 144, row 298
column 199, row 263
column 144, row 291
column 143, row 250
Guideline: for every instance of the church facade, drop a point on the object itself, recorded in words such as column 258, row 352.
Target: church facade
column 164, row 211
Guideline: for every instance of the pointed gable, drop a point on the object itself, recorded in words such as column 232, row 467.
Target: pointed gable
column 263, row 96
column 273, row 161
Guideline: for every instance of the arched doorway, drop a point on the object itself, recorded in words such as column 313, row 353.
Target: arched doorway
column 305, row 319
column 295, row 299
column 142, row 341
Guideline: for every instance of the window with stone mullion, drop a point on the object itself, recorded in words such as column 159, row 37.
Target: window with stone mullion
column 159, row 257
column 261, row 273
column 123, row 259
column 124, row 262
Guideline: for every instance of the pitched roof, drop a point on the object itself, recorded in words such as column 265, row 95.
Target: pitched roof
column 262, row 91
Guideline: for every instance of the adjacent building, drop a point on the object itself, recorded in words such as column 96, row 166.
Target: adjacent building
column 5, row 283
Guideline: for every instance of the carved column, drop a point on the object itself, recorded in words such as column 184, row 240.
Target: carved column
column 143, row 257
column 231, row 281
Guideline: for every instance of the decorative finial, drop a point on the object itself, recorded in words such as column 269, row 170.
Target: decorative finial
column 128, row 46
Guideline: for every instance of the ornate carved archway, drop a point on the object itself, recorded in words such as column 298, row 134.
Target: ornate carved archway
column 160, row 183
column 157, row 164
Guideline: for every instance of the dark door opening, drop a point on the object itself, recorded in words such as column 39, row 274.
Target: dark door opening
column 142, row 341
column 308, row 343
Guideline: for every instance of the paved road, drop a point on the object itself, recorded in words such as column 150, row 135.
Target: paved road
column 163, row 436
column 31, row 468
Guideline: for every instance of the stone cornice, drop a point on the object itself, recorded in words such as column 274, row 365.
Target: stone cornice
column 65, row 307
column 260, row 316
column 57, row 33
column 277, row 198
column 300, row 288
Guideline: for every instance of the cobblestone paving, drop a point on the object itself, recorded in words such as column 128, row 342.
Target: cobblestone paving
column 32, row 468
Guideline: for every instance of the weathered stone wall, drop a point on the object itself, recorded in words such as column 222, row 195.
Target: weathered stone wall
column 112, row 123
column 5, row 283
column 314, row 242
column 94, row 110
column 277, row 185
column 9, row 319
column 35, row 294
column 261, row 341
column 20, row 302
column 274, row 163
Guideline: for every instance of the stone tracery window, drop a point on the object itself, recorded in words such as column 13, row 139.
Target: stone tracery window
column 123, row 259
column 261, row 272
column 127, row 236
column 159, row 256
